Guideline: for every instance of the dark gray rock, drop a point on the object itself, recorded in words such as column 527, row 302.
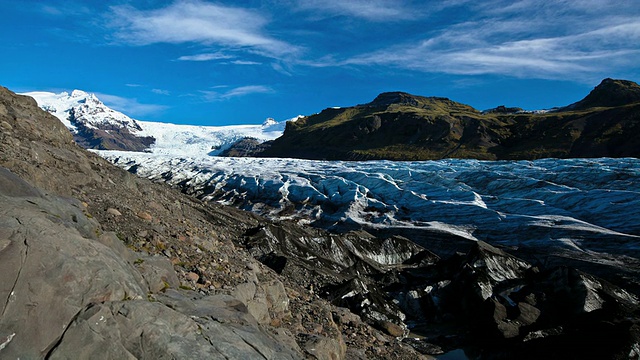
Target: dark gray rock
column 157, row 271
column 50, row 272
column 324, row 348
column 66, row 294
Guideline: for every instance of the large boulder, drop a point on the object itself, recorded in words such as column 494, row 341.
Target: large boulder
column 68, row 291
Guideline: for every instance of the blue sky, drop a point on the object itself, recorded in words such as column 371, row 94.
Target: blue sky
column 239, row 62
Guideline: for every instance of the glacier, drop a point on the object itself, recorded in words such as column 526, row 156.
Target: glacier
column 575, row 204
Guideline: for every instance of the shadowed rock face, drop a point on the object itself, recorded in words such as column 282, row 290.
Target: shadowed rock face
column 485, row 301
column 245, row 147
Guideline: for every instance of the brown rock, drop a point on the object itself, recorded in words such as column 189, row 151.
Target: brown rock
column 392, row 329
column 144, row 215
column 113, row 212
column 324, row 348
column 193, row 276
column 528, row 314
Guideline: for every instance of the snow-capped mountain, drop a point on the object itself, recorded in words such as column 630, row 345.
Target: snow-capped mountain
column 82, row 107
column 88, row 118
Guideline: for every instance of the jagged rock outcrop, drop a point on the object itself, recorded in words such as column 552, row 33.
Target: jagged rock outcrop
column 511, row 309
column 504, row 110
column 485, row 301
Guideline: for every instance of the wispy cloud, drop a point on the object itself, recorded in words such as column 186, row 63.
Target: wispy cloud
column 236, row 92
column 374, row 10
column 194, row 21
column 65, row 9
column 161, row 92
column 129, row 106
column 205, row 57
column 244, row 62
column 521, row 39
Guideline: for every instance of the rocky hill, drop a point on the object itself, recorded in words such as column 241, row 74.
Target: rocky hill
column 400, row 126
column 609, row 93
column 97, row 263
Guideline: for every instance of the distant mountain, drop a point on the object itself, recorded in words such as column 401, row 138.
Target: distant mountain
column 96, row 126
column 93, row 124
column 401, row 126
column 609, row 93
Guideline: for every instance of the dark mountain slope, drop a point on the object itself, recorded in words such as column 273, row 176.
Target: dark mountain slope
column 609, row 93
column 400, row 126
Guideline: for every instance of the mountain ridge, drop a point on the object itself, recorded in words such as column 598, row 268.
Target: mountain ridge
column 394, row 126
column 609, row 93
column 401, row 126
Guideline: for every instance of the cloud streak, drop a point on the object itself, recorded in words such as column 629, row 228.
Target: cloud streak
column 194, row 21
column 236, row 92
column 373, row 10
column 519, row 40
column 130, row 106
column 205, row 57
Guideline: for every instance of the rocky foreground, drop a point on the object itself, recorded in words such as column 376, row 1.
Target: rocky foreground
column 97, row 263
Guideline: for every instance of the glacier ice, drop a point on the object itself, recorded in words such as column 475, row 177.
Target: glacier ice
column 572, row 203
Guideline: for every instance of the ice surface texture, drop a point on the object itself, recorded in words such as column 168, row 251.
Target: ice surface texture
column 568, row 202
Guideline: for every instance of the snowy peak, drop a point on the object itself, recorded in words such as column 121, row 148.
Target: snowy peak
column 93, row 124
column 83, row 109
column 271, row 125
column 269, row 122
column 96, row 126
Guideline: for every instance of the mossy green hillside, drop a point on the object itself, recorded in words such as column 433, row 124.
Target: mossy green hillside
column 401, row 126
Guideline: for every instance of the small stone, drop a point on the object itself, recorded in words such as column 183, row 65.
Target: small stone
column 113, row 212
column 193, row 276
column 391, row 328
column 144, row 215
